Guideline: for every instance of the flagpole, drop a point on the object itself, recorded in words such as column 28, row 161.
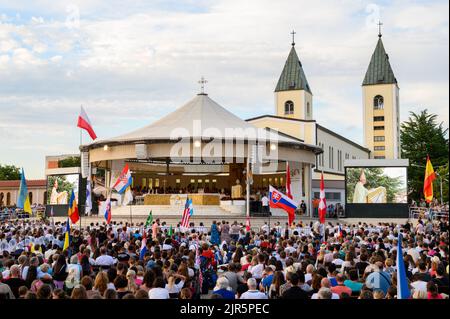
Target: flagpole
column 81, row 143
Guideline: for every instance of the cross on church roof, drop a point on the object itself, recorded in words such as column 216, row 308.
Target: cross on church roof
column 379, row 29
column 202, row 83
column 293, row 37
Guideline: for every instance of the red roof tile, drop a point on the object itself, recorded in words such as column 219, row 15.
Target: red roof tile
column 30, row 183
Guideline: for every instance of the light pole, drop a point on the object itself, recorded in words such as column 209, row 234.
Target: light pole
column 440, row 180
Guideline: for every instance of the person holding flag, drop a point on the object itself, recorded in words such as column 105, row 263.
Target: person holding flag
column 279, row 200
column 323, row 201
column 123, row 181
column 149, row 220
column 187, row 213
column 23, row 201
column 67, row 236
column 73, row 209
column 108, row 210
column 403, row 291
column 430, row 176
column 143, row 249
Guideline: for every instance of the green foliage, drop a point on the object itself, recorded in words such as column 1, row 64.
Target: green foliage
column 375, row 178
column 442, row 173
column 421, row 135
column 74, row 161
column 9, row 173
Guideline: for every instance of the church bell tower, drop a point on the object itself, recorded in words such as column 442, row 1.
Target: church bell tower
column 381, row 106
column 293, row 96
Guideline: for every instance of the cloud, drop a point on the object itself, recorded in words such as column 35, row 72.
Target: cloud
column 129, row 64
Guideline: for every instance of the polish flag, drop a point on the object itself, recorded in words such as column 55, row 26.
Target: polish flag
column 85, row 123
column 288, row 181
column 323, row 202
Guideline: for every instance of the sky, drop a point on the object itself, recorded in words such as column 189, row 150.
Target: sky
column 131, row 62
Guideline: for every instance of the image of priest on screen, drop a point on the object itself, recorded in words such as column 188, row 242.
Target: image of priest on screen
column 362, row 195
column 57, row 198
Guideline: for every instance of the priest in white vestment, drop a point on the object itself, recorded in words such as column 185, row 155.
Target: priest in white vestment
column 362, row 195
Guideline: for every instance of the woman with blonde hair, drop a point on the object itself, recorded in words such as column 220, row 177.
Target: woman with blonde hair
column 101, row 282
column 131, row 276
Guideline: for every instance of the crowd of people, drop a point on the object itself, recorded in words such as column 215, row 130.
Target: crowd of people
column 223, row 261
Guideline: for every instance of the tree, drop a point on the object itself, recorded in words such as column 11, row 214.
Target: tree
column 421, row 135
column 73, row 161
column 9, row 173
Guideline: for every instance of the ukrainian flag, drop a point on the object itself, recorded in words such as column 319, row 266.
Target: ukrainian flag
column 24, row 200
column 67, row 236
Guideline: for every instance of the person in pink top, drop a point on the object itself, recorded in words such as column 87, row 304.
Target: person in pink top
column 155, row 229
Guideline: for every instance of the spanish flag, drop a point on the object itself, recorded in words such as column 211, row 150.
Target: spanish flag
column 73, row 209
column 430, row 176
column 67, row 236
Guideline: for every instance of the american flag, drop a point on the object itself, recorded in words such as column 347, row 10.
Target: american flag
column 187, row 213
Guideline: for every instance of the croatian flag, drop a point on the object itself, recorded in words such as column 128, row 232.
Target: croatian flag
column 143, row 247
column 85, row 123
column 187, row 213
column 123, row 181
column 280, row 200
column 108, row 210
column 288, row 181
column 403, row 291
column 323, row 202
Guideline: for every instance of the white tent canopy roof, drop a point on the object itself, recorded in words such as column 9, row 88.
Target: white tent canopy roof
column 214, row 121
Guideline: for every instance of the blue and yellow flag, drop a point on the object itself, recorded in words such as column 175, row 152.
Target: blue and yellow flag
column 24, row 200
column 67, row 236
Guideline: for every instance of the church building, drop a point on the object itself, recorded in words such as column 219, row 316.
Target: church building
column 294, row 116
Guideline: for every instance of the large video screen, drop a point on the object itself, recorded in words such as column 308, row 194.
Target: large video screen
column 376, row 185
column 59, row 188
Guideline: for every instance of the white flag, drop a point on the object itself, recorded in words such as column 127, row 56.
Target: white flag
column 128, row 198
column 88, row 207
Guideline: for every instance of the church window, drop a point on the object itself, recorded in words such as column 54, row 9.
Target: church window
column 289, row 107
column 378, row 138
column 378, row 128
column 8, row 199
column 379, row 148
column 308, row 109
column 378, row 102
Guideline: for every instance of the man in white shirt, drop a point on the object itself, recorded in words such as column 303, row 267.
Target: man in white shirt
column 253, row 292
column 104, row 259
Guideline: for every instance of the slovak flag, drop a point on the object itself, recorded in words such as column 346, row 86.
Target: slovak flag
column 143, row 247
column 85, row 123
column 123, row 181
column 108, row 210
column 323, row 202
column 280, row 200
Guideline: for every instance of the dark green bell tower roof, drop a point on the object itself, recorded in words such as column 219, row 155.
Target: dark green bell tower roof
column 293, row 77
column 379, row 70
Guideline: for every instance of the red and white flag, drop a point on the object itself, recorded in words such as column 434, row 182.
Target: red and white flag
column 247, row 224
column 323, row 202
column 288, row 181
column 85, row 123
